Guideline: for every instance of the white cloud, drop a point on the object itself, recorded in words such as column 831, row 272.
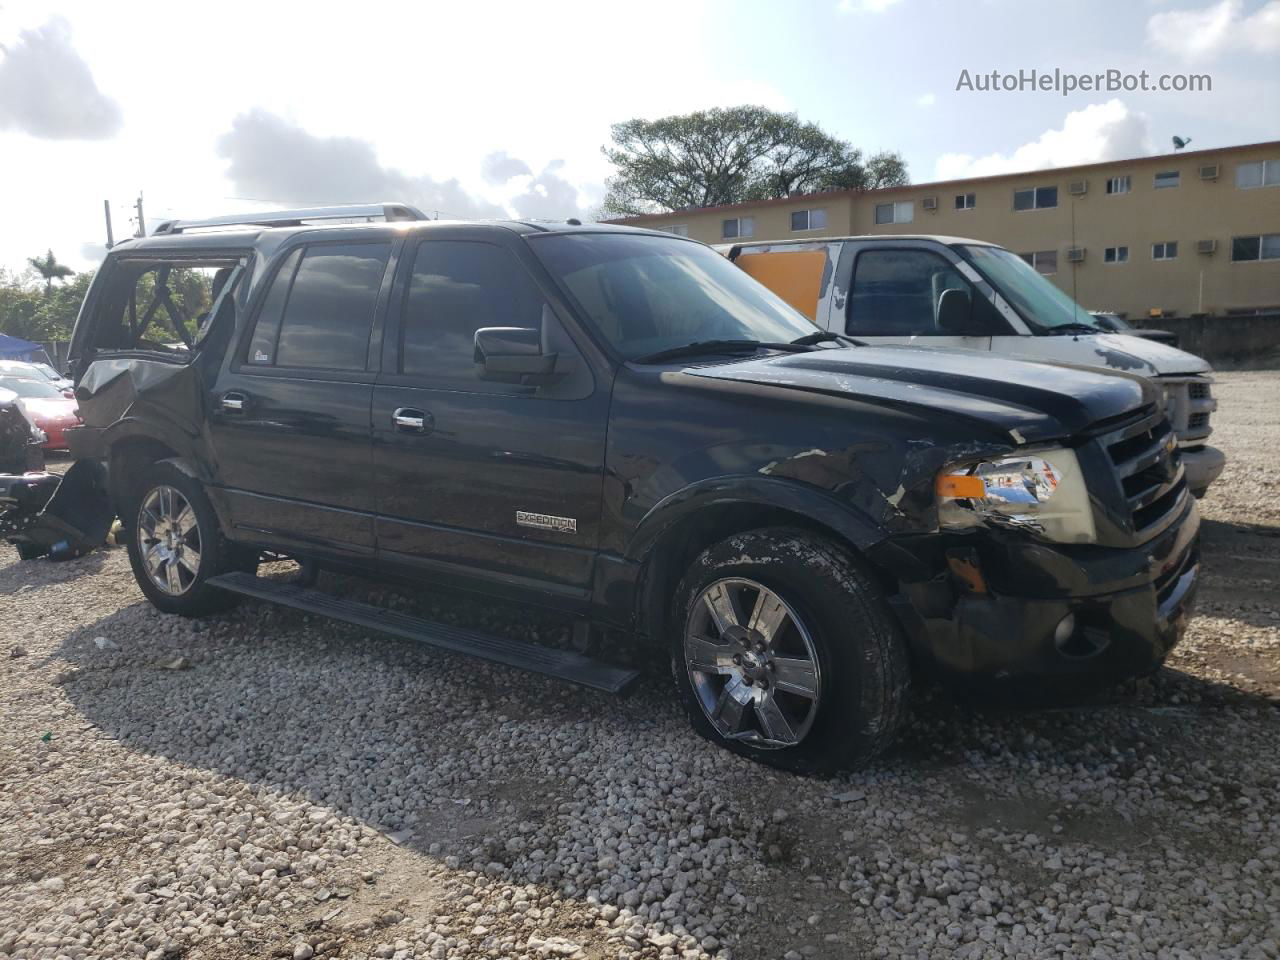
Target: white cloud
column 865, row 6
column 500, row 167
column 1206, row 33
column 926, row 100
column 1101, row 131
column 48, row 91
column 271, row 159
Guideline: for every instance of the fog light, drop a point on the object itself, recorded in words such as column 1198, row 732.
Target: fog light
column 1066, row 627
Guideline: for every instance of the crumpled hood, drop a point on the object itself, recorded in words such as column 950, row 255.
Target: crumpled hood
column 1030, row 401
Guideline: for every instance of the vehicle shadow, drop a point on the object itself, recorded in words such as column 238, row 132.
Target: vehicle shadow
column 21, row 574
column 1240, row 571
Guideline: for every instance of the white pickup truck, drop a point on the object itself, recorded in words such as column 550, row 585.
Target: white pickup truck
column 971, row 295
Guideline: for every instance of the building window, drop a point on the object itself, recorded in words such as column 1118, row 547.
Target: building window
column 1045, row 261
column 966, row 201
column 808, row 220
column 1263, row 173
column 1169, row 178
column 903, row 212
column 1165, row 251
column 737, row 227
column 679, row 229
column 1118, row 184
column 1115, row 255
column 1035, row 198
column 1264, row 247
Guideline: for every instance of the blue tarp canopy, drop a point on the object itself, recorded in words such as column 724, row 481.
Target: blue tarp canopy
column 14, row 348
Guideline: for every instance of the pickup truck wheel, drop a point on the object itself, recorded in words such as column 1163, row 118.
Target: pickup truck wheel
column 175, row 544
column 786, row 653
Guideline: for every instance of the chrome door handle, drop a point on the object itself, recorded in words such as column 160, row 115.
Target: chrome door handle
column 233, row 402
column 408, row 420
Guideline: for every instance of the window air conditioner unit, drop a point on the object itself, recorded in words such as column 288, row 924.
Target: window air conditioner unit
column 1209, row 171
column 1078, row 188
column 1207, row 247
column 1075, row 254
column 929, row 203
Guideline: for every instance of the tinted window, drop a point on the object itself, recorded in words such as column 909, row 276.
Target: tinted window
column 896, row 292
column 329, row 309
column 456, row 288
column 262, row 348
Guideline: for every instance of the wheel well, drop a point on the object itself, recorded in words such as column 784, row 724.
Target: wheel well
column 128, row 459
column 681, row 543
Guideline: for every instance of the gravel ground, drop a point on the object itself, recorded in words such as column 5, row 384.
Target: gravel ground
column 266, row 784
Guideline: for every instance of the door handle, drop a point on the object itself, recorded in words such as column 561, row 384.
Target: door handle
column 234, row 402
column 409, row 420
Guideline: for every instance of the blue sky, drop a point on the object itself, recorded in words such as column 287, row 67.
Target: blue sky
column 500, row 108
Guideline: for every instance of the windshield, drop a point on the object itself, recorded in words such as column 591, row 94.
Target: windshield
column 40, row 389
column 1040, row 303
column 48, row 371
column 648, row 294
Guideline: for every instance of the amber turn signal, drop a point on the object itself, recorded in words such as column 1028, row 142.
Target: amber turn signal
column 961, row 485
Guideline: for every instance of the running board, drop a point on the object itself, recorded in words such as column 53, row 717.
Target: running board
column 561, row 664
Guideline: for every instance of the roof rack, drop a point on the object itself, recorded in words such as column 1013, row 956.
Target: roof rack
column 296, row 218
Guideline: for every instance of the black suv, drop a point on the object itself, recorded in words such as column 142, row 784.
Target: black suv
column 620, row 424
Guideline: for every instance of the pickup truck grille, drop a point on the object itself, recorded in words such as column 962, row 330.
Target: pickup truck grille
column 1149, row 467
column 1188, row 403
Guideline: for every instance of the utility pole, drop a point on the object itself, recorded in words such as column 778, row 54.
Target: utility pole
column 142, row 223
column 106, row 209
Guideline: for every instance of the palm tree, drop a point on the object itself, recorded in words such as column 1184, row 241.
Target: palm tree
column 49, row 268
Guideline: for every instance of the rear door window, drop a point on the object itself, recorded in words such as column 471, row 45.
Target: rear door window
column 895, row 293
column 318, row 311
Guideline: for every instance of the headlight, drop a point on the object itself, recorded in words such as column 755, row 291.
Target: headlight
column 1043, row 492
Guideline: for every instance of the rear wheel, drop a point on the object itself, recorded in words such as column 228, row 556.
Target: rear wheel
column 175, row 544
column 786, row 653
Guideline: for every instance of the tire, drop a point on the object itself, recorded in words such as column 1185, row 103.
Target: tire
column 186, row 560
column 795, row 614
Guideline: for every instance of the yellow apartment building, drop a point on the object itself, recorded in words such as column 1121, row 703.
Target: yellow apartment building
column 1170, row 235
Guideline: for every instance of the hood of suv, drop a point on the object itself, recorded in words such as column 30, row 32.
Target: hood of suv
column 1030, row 401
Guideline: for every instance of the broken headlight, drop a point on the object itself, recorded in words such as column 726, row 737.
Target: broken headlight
column 1043, row 492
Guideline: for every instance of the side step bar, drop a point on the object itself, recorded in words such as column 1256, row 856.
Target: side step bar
column 562, row 664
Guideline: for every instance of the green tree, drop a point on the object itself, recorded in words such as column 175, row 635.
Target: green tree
column 49, row 268
column 727, row 155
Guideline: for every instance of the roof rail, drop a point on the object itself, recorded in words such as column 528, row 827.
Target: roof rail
column 296, row 218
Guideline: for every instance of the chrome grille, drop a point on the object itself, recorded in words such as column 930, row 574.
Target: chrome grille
column 1147, row 463
column 1199, row 390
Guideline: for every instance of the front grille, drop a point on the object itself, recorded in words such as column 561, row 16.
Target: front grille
column 1198, row 421
column 1149, row 468
column 1199, row 390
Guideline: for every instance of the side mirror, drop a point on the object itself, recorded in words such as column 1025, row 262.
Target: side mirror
column 514, row 355
column 955, row 313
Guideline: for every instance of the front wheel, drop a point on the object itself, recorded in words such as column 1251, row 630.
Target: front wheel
column 784, row 651
column 175, row 544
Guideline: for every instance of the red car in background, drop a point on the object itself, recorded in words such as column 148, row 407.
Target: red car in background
column 46, row 407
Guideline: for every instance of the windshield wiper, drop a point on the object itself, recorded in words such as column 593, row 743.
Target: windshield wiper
column 826, row 336
column 713, row 346
column 1074, row 327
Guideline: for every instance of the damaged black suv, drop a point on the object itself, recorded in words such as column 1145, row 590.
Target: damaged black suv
column 621, row 425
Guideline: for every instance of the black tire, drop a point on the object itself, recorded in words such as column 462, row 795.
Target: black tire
column 216, row 554
column 862, row 673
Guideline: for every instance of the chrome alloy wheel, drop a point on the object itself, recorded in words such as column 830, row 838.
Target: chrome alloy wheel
column 752, row 663
column 169, row 540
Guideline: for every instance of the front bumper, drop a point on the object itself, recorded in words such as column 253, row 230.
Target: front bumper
column 1127, row 608
column 1203, row 466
